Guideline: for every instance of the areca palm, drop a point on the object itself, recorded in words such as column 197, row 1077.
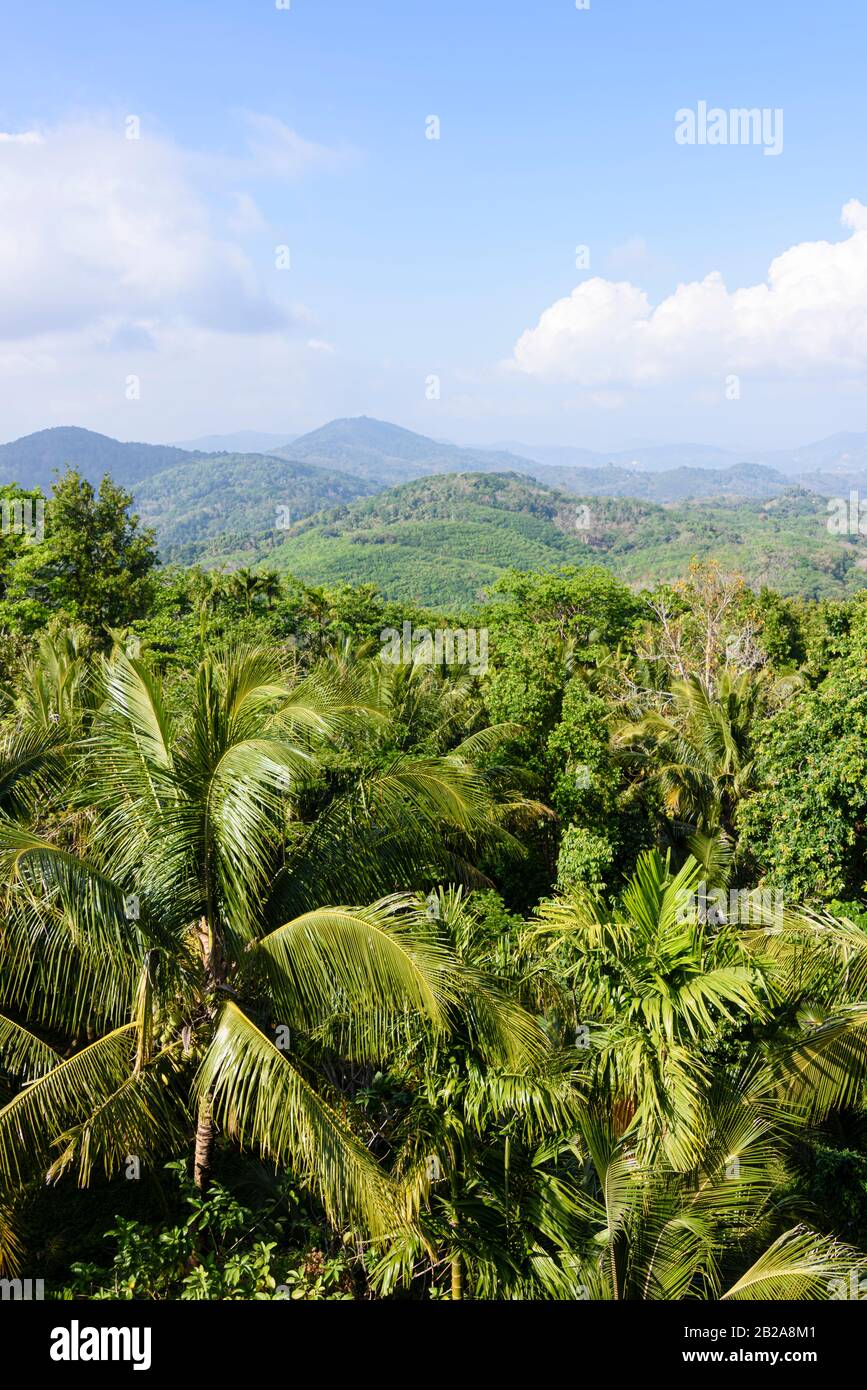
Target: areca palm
column 652, row 980
column 270, row 587
column 246, row 587
column 484, row 1101
column 716, row 1231
column 818, row 1058
column 158, row 957
column 211, row 588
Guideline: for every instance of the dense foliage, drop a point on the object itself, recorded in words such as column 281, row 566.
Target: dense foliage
column 324, row 975
column 448, row 539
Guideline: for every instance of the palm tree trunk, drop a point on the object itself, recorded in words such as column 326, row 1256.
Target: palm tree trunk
column 457, row 1277
column 456, row 1261
column 214, row 964
column 204, row 1145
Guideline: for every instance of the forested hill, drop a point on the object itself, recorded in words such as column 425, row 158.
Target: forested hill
column 447, row 539
column 381, row 452
column 226, row 496
column 33, row 460
column 364, row 501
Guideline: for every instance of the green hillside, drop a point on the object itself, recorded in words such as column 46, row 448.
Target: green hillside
column 32, row 460
column 439, row 540
column 386, row 453
column 449, row 529
column 445, row 540
column 233, row 496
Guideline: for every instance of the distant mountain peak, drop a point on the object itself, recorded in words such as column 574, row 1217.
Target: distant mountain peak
column 34, row 459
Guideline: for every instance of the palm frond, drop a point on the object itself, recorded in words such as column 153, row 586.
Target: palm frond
column 799, row 1265
column 34, row 1121
column 259, row 1097
column 23, row 1054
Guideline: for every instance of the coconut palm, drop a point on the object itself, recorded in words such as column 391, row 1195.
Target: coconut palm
column 156, row 954
column 376, row 802
column 47, row 711
column 699, row 747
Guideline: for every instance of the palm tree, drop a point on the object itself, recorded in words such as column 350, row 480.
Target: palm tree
column 56, row 688
column 651, row 982
column 818, row 1056
column 646, row 1231
column 210, row 589
column 699, row 749
column 157, row 956
column 270, row 587
column 246, row 587
column 484, row 1099
column 385, row 775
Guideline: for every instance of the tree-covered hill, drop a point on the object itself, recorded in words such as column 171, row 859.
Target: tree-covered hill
column 32, row 460
column 326, row 509
column 447, row 539
column 745, row 481
column 386, row 453
column 236, row 495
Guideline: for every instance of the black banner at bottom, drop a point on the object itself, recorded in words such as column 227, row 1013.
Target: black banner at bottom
column 80, row 1340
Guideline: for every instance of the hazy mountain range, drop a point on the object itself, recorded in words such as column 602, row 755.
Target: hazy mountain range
column 383, row 455
column 329, row 501
column 431, row 521
column 839, row 453
column 243, row 442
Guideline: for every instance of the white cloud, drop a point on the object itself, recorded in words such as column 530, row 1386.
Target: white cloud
column 278, row 152
column 97, row 228
column 246, row 218
column 124, row 257
column 808, row 319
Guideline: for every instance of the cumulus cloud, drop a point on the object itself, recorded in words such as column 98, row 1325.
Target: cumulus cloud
column 97, row 228
column 808, row 319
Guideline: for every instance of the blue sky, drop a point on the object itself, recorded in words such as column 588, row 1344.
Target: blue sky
column 413, row 258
